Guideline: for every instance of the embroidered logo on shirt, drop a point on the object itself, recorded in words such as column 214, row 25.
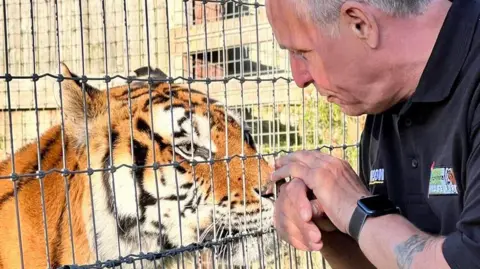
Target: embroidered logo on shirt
column 377, row 176
column 442, row 181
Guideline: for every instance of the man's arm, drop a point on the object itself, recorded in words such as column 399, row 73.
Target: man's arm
column 391, row 241
column 341, row 251
column 408, row 246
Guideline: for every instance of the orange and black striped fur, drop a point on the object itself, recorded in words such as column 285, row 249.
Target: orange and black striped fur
column 128, row 199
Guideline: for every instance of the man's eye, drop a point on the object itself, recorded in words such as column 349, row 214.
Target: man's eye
column 300, row 54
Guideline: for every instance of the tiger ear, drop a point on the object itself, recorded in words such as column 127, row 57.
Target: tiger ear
column 142, row 72
column 73, row 101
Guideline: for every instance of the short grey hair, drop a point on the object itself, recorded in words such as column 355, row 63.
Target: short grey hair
column 326, row 12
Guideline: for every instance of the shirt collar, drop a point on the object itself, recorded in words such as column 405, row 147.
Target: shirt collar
column 449, row 53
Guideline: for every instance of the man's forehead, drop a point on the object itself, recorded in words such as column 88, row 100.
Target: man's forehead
column 290, row 31
column 293, row 40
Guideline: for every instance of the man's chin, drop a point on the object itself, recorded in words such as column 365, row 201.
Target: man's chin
column 352, row 110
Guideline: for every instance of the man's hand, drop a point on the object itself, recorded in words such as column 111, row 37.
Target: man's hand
column 332, row 180
column 293, row 218
column 337, row 189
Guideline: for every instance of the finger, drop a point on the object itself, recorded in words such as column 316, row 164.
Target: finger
column 286, row 216
column 285, row 210
column 296, row 191
column 294, row 170
column 299, row 171
column 308, row 235
column 303, row 156
column 305, row 246
column 326, row 158
column 317, row 209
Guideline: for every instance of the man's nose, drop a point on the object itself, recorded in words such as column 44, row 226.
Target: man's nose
column 300, row 73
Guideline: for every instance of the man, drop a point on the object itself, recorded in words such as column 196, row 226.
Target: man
column 412, row 67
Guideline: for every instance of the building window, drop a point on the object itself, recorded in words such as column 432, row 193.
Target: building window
column 235, row 62
column 215, row 11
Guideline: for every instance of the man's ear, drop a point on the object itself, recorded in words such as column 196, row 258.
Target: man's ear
column 361, row 21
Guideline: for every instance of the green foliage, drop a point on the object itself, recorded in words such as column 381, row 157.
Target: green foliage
column 323, row 126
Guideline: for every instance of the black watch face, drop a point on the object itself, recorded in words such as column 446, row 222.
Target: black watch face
column 376, row 204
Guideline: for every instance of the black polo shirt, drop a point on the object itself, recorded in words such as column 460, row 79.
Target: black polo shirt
column 425, row 153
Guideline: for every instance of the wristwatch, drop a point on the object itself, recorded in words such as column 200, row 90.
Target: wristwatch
column 370, row 206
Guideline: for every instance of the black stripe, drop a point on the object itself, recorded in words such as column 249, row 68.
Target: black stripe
column 179, row 134
column 187, row 185
column 106, row 183
column 125, row 224
column 106, row 174
column 160, row 141
column 158, row 224
column 168, row 107
column 140, row 159
column 142, row 126
column 210, row 100
column 157, row 99
column 199, row 199
column 124, row 94
column 189, row 204
column 146, row 199
column 20, row 185
column 43, row 151
column 181, row 121
column 208, row 192
column 173, row 197
column 224, row 199
column 180, row 169
column 173, row 93
column 7, row 196
column 164, row 242
column 75, row 168
column 230, row 119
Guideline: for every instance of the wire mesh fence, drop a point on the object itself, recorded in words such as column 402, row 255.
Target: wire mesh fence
column 108, row 164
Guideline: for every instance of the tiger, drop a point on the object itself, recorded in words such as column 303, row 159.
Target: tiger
column 139, row 168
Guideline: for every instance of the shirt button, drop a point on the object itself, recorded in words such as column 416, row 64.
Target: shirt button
column 414, row 163
column 408, row 122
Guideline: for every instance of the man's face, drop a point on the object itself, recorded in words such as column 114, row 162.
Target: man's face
column 342, row 67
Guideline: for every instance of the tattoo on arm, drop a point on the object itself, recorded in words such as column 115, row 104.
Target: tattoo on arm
column 406, row 251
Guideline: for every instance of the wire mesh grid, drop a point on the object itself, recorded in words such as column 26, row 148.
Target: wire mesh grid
column 152, row 189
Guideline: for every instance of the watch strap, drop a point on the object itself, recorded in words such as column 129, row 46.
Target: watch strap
column 356, row 222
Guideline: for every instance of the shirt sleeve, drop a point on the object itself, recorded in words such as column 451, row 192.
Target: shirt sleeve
column 461, row 248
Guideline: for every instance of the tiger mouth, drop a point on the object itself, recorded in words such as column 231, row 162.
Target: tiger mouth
column 222, row 235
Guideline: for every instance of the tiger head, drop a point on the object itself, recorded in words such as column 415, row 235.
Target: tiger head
column 168, row 165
